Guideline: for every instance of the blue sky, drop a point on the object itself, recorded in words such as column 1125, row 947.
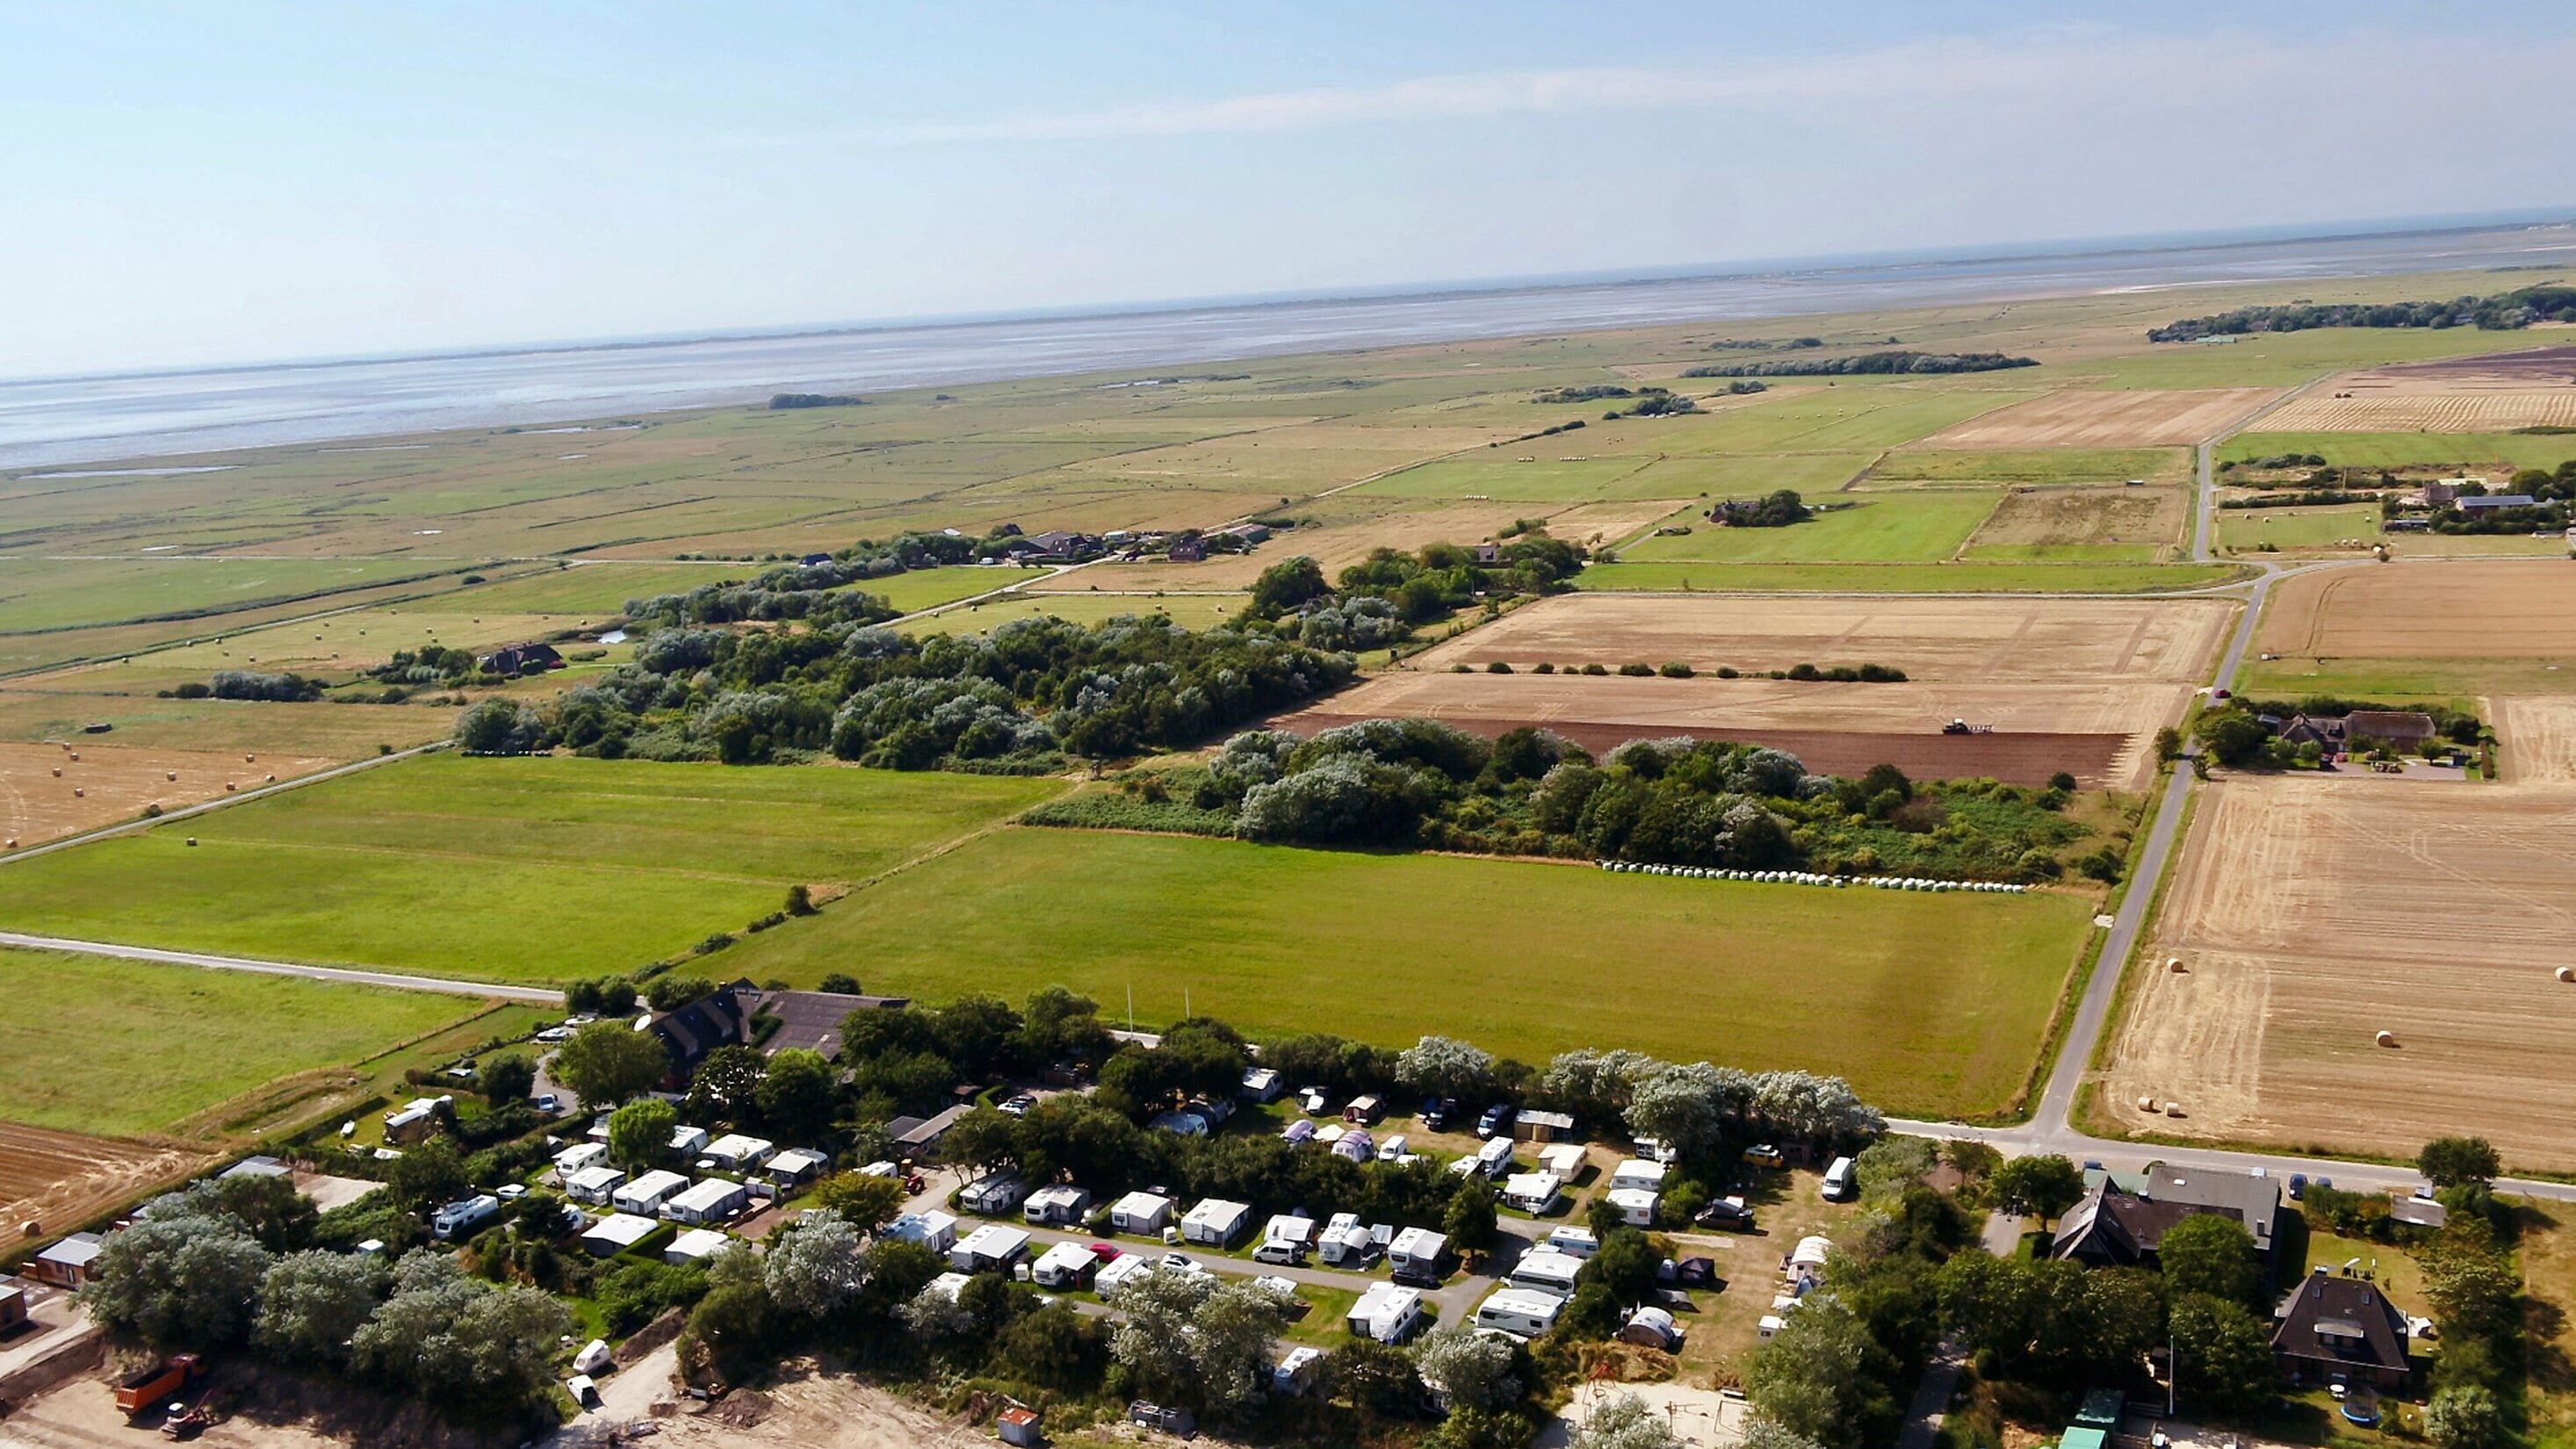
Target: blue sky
column 194, row 183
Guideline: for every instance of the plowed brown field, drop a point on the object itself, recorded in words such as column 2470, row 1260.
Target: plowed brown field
column 60, row 1179
column 2079, row 685
column 2105, row 418
column 2313, row 912
column 2491, row 394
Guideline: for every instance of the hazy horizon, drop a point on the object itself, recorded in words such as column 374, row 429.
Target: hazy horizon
column 296, row 184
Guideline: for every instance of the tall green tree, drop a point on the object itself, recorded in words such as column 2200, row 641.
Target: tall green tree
column 2206, row 1253
column 2043, row 1186
column 639, row 1134
column 2449, row 1161
column 608, row 1062
column 2222, row 1358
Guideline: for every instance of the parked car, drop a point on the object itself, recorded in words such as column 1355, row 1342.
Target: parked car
column 1493, row 1120
column 1766, row 1155
column 547, row 1104
column 1725, row 1212
column 1018, row 1105
column 1392, row 1149
column 1313, row 1101
column 2298, row 1186
column 1437, row 1112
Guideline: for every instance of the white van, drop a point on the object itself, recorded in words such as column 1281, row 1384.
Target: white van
column 1519, row 1312
column 1838, row 1180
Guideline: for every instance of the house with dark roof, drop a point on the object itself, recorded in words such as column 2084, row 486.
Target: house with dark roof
column 811, row 1020
column 1188, row 548
column 2488, row 503
column 2404, row 729
column 520, row 658
column 2323, row 731
column 2341, row 1329
column 918, row 1136
column 720, row 1018
column 2122, row 1221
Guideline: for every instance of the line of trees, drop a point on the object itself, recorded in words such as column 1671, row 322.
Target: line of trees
column 2501, row 311
column 1901, row 360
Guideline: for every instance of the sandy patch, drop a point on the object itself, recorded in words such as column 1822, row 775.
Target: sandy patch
column 2105, row 418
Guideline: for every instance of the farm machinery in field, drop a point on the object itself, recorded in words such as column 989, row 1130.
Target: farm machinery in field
column 1962, row 727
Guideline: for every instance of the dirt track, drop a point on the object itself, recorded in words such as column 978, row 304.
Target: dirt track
column 61, row 1179
column 2105, row 418
column 2313, row 912
column 2493, row 609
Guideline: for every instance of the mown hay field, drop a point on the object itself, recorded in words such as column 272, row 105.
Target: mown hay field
column 2106, row 418
column 2092, row 525
column 1872, row 985
column 1902, row 578
column 531, row 870
column 1872, row 528
column 2312, row 912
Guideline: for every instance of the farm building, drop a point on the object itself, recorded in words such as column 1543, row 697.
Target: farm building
column 992, row 1196
column 646, row 1194
column 710, row 1201
column 1416, row 1252
column 1533, row 1192
column 1531, row 1125
column 1142, row 1213
column 722, row 1017
column 1056, row 1203
column 1064, row 1266
column 594, row 1184
column 1215, row 1223
column 694, row 1246
column 521, row 658
column 260, row 1166
column 795, row 1166
column 934, row 1229
column 2404, row 729
column 2123, row 1218
column 1519, row 1312
column 1635, row 1204
column 734, row 1152
column 1019, row 1425
column 1386, row 1313
column 2342, row 1329
column 811, row 1020
column 69, row 1263
column 2490, row 502
column 616, row 1233
column 991, row 1248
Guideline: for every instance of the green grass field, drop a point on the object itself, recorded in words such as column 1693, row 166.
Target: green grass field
column 1889, row 528
column 507, row 870
column 2285, row 359
column 2031, row 466
column 2246, row 528
column 931, row 587
column 1193, row 611
column 120, row 1047
column 2403, row 680
column 63, row 593
column 2475, row 451
column 1902, row 578
column 594, row 590
column 1526, row 959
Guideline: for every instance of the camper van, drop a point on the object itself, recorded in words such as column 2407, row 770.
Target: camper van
column 1519, row 1312
column 1838, row 1180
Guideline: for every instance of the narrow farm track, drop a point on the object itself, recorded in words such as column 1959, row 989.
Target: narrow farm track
column 397, row 980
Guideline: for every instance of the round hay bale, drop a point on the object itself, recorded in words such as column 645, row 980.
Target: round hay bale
column 2146, row 1104
column 192, row 842
column 2567, row 973
column 58, row 772
column 75, row 755
column 272, row 779
column 250, row 759
column 2386, row 1038
column 230, row 787
column 79, row 794
column 170, row 774
column 31, row 1229
column 10, row 844
column 2174, row 1109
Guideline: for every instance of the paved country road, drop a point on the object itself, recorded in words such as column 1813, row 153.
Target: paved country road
column 400, row 981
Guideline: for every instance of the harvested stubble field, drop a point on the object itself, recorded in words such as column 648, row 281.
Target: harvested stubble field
column 2073, row 684
column 2491, row 609
column 1870, row 528
column 2090, row 418
column 2137, row 525
column 57, row 707
column 62, row 1179
column 2497, row 392
column 116, row 782
column 2312, row 912
column 1384, row 948
column 1190, row 611
column 507, row 870
column 1946, row 577
column 2049, row 467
